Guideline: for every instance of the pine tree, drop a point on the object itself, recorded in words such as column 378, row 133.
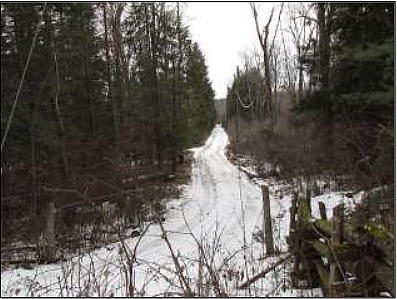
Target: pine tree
column 201, row 109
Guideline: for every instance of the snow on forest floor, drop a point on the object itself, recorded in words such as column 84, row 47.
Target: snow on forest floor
column 217, row 222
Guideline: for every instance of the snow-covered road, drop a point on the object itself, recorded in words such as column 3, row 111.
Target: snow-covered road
column 220, row 205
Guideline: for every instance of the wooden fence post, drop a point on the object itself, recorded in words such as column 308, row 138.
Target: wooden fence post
column 337, row 228
column 46, row 248
column 323, row 213
column 50, row 221
column 308, row 200
column 268, row 230
column 295, row 240
column 292, row 223
column 335, row 275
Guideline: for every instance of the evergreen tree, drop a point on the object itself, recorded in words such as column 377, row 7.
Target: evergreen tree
column 360, row 39
column 106, row 83
column 248, row 87
column 363, row 75
column 358, row 89
column 141, row 83
column 200, row 97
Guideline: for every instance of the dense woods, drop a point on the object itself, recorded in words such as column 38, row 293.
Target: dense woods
column 104, row 106
column 106, row 86
column 333, row 89
column 321, row 116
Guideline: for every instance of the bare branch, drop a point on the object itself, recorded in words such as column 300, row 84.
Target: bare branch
column 178, row 267
column 264, row 272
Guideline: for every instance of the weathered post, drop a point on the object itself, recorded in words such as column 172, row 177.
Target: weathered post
column 292, row 223
column 308, row 200
column 323, row 213
column 338, row 221
column 268, row 230
column 335, row 275
column 50, row 221
column 46, row 249
column 294, row 237
column 301, row 266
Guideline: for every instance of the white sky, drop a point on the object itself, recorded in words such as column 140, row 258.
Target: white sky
column 223, row 31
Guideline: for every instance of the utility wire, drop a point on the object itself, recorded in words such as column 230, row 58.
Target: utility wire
column 241, row 103
column 245, row 106
column 14, row 106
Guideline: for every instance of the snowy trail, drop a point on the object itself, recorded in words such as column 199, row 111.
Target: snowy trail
column 219, row 200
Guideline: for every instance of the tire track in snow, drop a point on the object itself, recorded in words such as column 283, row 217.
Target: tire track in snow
column 211, row 200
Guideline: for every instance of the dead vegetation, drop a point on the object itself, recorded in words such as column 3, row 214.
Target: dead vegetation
column 86, row 215
column 299, row 145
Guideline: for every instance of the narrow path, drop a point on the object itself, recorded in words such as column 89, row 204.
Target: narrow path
column 220, row 203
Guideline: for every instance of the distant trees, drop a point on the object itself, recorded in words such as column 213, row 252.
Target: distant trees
column 265, row 74
column 264, row 41
column 200, row 112
column 148, row 57
column 247, row 94
column 300, row 31
column 106, row 82
column 334, row 62
column 99, row 70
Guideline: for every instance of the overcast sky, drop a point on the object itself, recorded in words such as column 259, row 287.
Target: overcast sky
column 223, row 31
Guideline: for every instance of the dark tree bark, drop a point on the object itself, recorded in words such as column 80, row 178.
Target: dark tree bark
column 263, row 41
column 324, row 45
column 116, row 119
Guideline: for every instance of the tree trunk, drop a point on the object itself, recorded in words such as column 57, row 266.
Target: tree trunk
column 263, row 41
column 116, row 120
column 324, row 46
column 155, row 86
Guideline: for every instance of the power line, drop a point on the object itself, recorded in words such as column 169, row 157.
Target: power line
column 245, row 106
column 14, row 106
column 242, row 104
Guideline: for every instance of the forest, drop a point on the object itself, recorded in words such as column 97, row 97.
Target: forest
column 341, row 83
column 103, row 86
column 323, row 118
column 122, row 174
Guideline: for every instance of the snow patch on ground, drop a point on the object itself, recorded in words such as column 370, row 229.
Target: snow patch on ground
column 223, row 209
column 332, row 199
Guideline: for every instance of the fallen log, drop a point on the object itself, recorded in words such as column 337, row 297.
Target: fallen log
column 18, row 248
column 264, row 272
column 63, row 190
column 18, row 261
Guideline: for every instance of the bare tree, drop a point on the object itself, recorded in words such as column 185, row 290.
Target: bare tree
column 116, row 118
column 270, row 59
column 301, row 28
column 324, row 40
column 263, row 38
